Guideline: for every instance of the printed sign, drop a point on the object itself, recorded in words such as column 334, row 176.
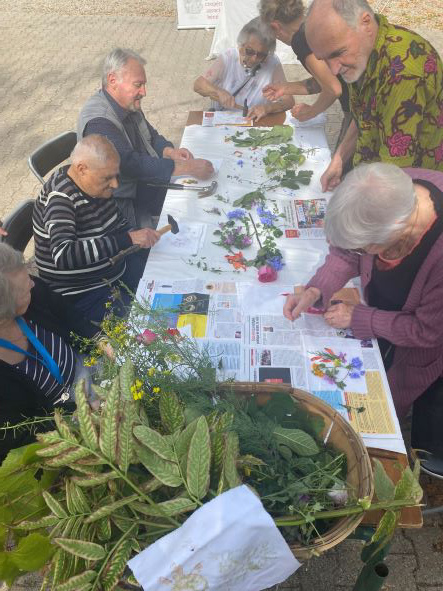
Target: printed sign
column 198, row 14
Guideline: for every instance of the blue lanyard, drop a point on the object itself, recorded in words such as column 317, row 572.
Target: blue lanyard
column 45, row 357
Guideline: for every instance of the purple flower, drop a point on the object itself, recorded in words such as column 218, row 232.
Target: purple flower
column 240, row 163
column 246, row 241
column 342, row 357
column 236, row 214
column 267, row 218
column 328, row 379
column 354, row 375
column 356, row 363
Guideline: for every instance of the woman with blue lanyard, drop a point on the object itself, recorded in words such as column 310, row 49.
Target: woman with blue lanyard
column 37, row 366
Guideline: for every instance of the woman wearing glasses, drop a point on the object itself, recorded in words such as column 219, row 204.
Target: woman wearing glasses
column 238, row 76
column 387, row 229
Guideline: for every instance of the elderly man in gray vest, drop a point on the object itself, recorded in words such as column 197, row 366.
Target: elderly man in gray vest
column 146, row 156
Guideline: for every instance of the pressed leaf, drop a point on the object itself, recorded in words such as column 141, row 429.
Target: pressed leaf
column 86, row 550
column 125, row 438
column 383, row 485
column 54, row 505
column 76, row 582
column 166, row 472
column 106, row 510
column 230, row 459
column 108, row 422
column 167, row 508
column 171, row 412
column 116, row 565
column 32, row 552
column 199, row 460
column 299, row 441
column 94, row 480
column 87, row 427
column 155, row 442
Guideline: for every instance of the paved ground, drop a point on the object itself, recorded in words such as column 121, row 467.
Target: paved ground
column 51, row 64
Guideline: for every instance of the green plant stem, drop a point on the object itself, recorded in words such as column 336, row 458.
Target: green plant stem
column 256, row 231
column 105, row 562
column 350, row 510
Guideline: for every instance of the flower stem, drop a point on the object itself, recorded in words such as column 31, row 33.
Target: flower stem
column 256, row 231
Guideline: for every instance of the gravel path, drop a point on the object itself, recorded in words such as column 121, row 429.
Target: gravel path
column 415, row 13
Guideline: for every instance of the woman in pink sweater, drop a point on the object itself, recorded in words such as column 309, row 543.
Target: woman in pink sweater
column 388, row 230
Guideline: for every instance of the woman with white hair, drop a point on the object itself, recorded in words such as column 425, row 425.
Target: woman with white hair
column 388, row 230
column 37, row 366
column 238, row 76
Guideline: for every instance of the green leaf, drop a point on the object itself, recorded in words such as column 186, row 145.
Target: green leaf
column 76, row 582
column 68, row 457
column 106, row 510
column 63, row 428
column 299, row 441
column 54, row 505
column 47, row 521
column 127, row 378
column 108, row 422
column 166, row 472
column 151, row 485
column 199, row 460
column 116, row 566
column 32, row 552
column 87, row 427
column 94, row 480
column 79, row 499
column 171, row 412
column 104, row 529
column 8, row 570
column 384, row 487
column 385, row 529
column 182, row 444
column 155, row 442
column 86, row 550
column 408, row 487
column 54, row 449
column 167, row 508
column 230, row 459
column 125, row 447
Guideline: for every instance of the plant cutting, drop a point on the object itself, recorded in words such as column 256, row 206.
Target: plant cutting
column 334, row 368
column 255, row 137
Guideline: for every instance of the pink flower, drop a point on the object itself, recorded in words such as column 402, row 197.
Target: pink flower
column 439, row 153
column 267, row 274
column 399, row 143
column 430, row 64
column 147, row 337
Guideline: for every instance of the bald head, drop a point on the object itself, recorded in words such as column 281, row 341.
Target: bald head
column 343, row 33
column 95, row 166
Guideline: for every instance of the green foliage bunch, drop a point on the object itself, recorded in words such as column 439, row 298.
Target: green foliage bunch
column 257, row 137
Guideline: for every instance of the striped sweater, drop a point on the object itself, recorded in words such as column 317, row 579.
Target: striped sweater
column 75, row 235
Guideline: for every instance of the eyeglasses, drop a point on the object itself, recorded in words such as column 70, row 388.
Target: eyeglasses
column 252, row 53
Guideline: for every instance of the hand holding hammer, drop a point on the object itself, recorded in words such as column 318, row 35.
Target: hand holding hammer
column 145, row 238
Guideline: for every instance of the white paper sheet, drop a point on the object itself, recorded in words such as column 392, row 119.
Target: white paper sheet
column 229, row 544
column 188, row 241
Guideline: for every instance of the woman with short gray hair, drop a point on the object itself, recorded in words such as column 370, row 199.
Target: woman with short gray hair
column 385, row 225
column 37, row 367
column 238, row 76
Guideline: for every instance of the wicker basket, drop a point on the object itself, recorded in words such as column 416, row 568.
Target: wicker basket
column 343, row 437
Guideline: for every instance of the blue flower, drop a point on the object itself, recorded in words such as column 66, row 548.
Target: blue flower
column 354, row 375
column 236, row 214
column 267, row 218
column 356, row 363
column 275, row 262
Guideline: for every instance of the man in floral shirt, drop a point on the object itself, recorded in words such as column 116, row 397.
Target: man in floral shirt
column 395, row 80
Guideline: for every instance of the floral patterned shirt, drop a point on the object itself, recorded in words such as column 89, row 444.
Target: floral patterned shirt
column 398, row 102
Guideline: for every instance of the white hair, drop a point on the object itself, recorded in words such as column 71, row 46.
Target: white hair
column 94, row 149
column 373, row 202
column 349, row 10
column 259, row 29
column 116, row 60
column 10, row 260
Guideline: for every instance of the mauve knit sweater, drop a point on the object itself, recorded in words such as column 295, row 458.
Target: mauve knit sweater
column 416, row 330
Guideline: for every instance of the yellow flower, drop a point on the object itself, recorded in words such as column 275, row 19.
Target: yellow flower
column 337, row 362
column 317, row 371
column 90, row 362
column 108, row 304
column 151, row 371
column 156, row 390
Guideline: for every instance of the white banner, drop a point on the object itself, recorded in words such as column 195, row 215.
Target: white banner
column 198, row 14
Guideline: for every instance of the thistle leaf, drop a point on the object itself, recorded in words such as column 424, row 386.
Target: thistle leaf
column 94, row 479
column 116, row 565
column 108, row 422
column 127, row 377
column 76, row 582
column 155, row 442
column 56, row 508
column 86, row 550
column 125, row 447
column 167, row 508
column 171, row 412
column 230, row 459
column 384, row 487
column 166, row 472
column 106, row 510
column 199, row 460
column 87, row 428
column 299, row 441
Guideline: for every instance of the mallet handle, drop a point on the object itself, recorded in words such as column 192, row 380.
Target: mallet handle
column 165, row 229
